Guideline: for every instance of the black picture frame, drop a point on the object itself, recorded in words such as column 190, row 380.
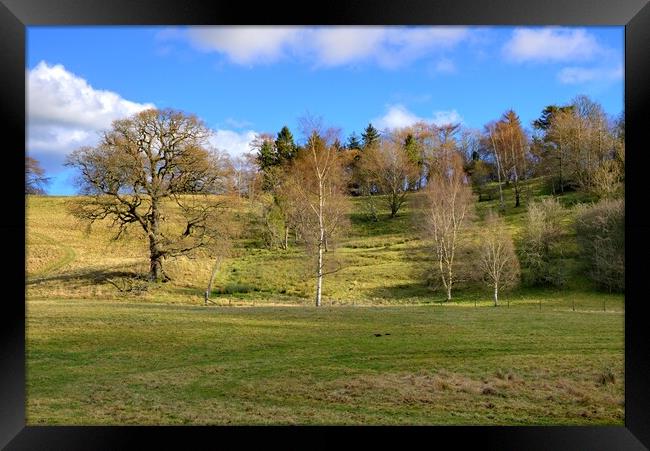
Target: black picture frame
column 15, row 15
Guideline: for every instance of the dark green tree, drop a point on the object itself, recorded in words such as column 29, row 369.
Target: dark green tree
column 266, row 155
column 370, row 136
column 544, row 121
column 412, row 150
column 285, row 147
column 353, row 142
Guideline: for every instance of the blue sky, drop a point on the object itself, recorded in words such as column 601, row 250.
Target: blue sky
column 246, row 80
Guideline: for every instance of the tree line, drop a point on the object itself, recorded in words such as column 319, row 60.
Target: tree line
column 157, row 158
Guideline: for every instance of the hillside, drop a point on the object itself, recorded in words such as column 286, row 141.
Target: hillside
column 383, row 262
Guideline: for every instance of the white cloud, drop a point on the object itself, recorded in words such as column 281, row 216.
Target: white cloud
column 578, row 75
column 399, row 116
column 341, row 45
column 234, row 143
column 65, row 112
column 245, row 45
column 551, row 44
column 235, row 123
column 323, row 46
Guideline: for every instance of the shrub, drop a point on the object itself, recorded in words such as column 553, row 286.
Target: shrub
column 600, row 230
column 539, row 247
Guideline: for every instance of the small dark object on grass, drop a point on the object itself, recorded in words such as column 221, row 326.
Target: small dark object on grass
column 489, row 391
column 377, row 335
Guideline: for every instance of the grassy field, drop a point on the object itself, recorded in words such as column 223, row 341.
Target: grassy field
column 263, row 354
column 92, row 362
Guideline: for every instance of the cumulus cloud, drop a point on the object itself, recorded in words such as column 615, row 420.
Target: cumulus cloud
column 64, row 111
column 322, row 46
column 551, row 44
column 245, row 45
column 578, row 75
column 398, row 116
column 231, row 142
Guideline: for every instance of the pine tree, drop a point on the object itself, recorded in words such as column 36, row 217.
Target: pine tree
column 353, row 142
column 411, row 149
column 285, row 146
column 266, row 155
column 370, row 136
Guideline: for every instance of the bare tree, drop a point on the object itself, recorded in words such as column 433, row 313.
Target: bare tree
column 220, row 247
column 35, row 179
column 153, row 170
column 510, row 147
column 315, row 188
column 388, row 167
column 448, row 201
column 244, row 175
column 498, row 259
column 491, row 132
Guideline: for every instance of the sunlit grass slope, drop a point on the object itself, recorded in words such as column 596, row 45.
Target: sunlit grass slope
column 383, row 262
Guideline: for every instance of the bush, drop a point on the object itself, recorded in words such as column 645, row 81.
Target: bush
column 539, row 249
column 600, row 230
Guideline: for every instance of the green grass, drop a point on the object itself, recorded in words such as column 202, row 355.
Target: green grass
column 92, row 362
column 264, row 355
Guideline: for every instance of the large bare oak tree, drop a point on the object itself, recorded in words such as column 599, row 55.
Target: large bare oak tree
column 149, row 168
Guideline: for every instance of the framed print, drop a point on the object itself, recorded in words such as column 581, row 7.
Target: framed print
column 376, row 214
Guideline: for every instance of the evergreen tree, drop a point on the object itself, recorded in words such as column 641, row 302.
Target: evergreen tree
column 370, row 136
column 544, row 121
column 285, row 147
column 266, row 155
column 411, row 149
column 353, row 142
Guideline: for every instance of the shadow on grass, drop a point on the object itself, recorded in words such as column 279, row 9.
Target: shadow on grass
column 93, row 276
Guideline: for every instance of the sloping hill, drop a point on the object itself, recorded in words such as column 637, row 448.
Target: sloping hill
column 382, row 262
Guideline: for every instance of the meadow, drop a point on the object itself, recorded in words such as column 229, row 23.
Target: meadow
column 103, row 348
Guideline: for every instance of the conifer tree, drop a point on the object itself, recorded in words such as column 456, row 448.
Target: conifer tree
column 370, row 136
column 285, row 147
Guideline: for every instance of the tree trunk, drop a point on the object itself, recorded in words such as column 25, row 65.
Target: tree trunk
column 449, row 292
column 502, row 206
column 215, row 269
column 496, row 295
column 286, row 237
column 321, row 242
column 516, row 196
column 155, row 255
column 319, row 283
column 155, row 266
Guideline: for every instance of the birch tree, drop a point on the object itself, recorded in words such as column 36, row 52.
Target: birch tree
column 448, row 201
column 315, row 188
column 498, row 259
column 491, row 132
